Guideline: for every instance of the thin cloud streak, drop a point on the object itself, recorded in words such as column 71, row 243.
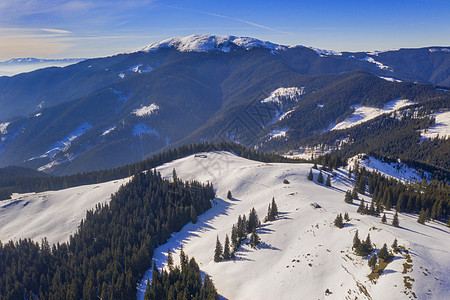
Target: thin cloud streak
column 233, row 19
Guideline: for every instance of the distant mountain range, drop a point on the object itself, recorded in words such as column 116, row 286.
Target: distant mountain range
column 19, row 65
column 105, row 112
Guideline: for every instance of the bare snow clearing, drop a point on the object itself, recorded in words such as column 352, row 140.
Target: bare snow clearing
column 441, row 127
column 365, row 113
column 51, row 214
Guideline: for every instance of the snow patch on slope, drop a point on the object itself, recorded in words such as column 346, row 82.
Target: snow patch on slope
column 439, row 50
column 109, row 130
column 365, row 113
column 3, row 127
column 302, row 253
column 204, row 43
column 441, row 127
column 51, row 214
column 396, row 170
column 144, row 111
column 373, row 61
column 389, row 79
column 278, row 133
column 281, row 95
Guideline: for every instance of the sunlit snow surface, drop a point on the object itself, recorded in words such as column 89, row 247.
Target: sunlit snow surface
column 3, row 127
column 146, row 110
column 203, row 43
column 364, row 113
column 51, row 214
column 302, row 254
column 441, row 127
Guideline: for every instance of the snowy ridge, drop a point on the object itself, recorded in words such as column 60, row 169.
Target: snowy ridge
column 365, row 113
column 51, row 214
column 278, row 133
column 204, row 43
column 439, row 50
column 302, row 254
column 323, row 52
column 441, row 127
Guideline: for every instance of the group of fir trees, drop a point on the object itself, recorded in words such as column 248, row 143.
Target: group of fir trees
column 339, row 221
column 383, row 254
column 272, row 211
column 362, row 248
column 319, row 177
column 389, row 193
column 180, row 282
column 239, row 233
column 112, row 248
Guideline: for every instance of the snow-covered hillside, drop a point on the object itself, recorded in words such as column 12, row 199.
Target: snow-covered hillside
column 441, row 127
column 51, row 214
column 302, row 254
column 204, row 42
column 396, row 170
column 365, row 113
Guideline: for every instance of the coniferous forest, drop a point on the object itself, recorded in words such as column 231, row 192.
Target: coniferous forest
column 112, row 248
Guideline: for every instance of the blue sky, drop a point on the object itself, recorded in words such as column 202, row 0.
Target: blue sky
column 92, row 28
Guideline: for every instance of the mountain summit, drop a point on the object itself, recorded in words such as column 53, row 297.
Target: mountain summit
column 205, row 43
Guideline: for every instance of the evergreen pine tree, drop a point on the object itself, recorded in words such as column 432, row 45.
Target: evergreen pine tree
column 355, row 194
column 383, row 253
column 361, row 207
column 274, row 208
column 349, row 172
column 193, row 214
column 226, row 248
column 395, row 245
column 169, row 259
column 174, row 175
column 356, row 241
column 373, row 262
column 422, row 217
column 253, row 220
column 234, row 238
column 383, row 219
column 346, row 217
column 218, row 251
column 427, row 214
column 338, row 222
column 310, row 175
column 388, row 204
column 254, row 239
column 269, row 216
column 348, row 197
column 315, row 166
column 395, row 222
column 328, row 182
column 320, row 177
column 229, row 196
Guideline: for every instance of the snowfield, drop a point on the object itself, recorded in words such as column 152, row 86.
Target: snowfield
column 441, row 127
column 365, row 113
column 302, row 254
column 51, row 214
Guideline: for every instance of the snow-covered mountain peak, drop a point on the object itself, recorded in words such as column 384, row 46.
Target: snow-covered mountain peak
column 204, row 43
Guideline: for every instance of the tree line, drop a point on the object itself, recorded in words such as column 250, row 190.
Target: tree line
column 112, row 248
